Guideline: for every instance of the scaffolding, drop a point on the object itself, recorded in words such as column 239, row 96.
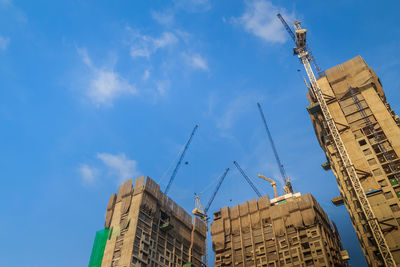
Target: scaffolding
column 339, row 145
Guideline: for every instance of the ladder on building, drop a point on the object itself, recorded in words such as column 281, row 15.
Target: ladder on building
column 348, row 166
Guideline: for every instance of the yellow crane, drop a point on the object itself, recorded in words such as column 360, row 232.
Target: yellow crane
column 273, row 183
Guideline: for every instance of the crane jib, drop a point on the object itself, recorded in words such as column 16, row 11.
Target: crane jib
column 216, row 190
column 180, row 160
column 247, row 179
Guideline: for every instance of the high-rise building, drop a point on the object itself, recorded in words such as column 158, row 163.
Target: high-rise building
column 291, row 230
column 370, row 132
column 144, row 227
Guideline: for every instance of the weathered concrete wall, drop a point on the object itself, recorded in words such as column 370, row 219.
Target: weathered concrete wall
column 292, row 232
column 149, row 229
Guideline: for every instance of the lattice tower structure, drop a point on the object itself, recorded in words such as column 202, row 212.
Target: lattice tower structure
column 370, row 134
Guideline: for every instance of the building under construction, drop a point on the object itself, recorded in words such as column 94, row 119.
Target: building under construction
column 144, row 227
column 291, row 230
column 363, row 153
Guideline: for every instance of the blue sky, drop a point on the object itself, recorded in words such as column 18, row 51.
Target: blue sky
column 96, row 92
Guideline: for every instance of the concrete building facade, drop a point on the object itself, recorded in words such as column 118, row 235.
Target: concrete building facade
column 291, row 230
column 147, row 228
column 370, row 132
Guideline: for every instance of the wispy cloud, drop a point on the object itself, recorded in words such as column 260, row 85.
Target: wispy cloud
column 227, row 113
column 163, row 86
column 146, row 75
column 4, row 42
column 17, row 15
column 108, row 85
column 193, row 5
column 260, row 20
column 232, row 111
column 88, row 174
column 196, row 61
column 165, row 17
column 105, row 84
column 116, row 166
column 5, row 2
column 119, row 166
column 146, row 45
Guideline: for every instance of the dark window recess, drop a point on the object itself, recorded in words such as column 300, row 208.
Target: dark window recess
column 394, row 207
column 367, row 131
column 388, row 195
column 362, row 142
column 376, row 149
column 164, row 217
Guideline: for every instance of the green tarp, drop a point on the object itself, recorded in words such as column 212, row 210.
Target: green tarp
column 98, row 248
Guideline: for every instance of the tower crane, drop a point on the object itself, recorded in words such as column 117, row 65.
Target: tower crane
column 286, row 180
column 247, row 179
column 310, row 54
column 171, row 179
column 303, row 52
column 198, row 210
column 202, row 213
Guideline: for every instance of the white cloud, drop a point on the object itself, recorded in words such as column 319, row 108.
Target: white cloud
column 85, row 57
column 164, row 18
column 88, row 173
column 162, row 87
column 166, row 39
column 196, row 61
column 108, row 85
column 260, row 19
column 120, row 166
column 145, row 45
column 146, row 75
column 193, row 5
column 105, row 84
column 4, row 41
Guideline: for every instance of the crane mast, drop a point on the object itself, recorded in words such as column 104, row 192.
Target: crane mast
column 180, row 160
column 302, row 51
column 198, row 211
column 288, row 186
column 310, row 54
